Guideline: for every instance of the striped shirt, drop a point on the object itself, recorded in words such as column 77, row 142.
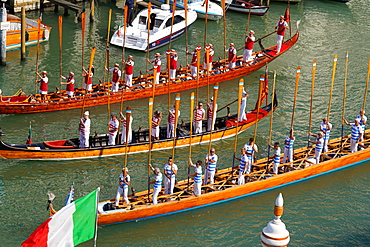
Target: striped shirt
column 212, row 166
column 325, row 130
column 113, row 126
column 250, row 149
column 356, row 130
column 243, row 161
column 362, row 120
column 121, row 179
column 320, row 144
column 158, row 181
column 289, row 142
column 169, row 171
column 198, row 177
column 277, row 156
column 172, row 117
column 199, row 113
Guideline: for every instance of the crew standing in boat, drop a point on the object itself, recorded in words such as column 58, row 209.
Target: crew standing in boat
column 170, row 172
column 197, row 177
column 211, row 53
column 156, row 121
column 199, row 116
column 70, row 89
column 211, row 116
column 157, row 66
column 276, row 157
column 325, row 127
column 194, row 61
column 113, row 126
column 124, row 182
column 124, row 126
column 232, row 56
column 243, row 105
column 242, row 166
column 129, row 71
column 288, row 150
column 356, row 134
column 319, row 145
column 173, row 64
column 171, row 130
column 251, row 148
column 43, row 80
column 88, row 79
column 211, row 163
column 84, row 128
column 280, row 30
column 157, row 183
column 248, row 47
column 363, row 119
column 115, row 77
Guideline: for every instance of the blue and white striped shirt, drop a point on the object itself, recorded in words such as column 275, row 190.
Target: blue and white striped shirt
column 158, row 181
column 289, row 142
column 169, row 171
column 319, row 145
column 356, row 130
column 243, row 161
column 212, row 166
column 362, row 120
column 198, row 177
column 325, row 130
column 277, row 156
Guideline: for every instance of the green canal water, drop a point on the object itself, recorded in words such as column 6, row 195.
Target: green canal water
column 331, row 210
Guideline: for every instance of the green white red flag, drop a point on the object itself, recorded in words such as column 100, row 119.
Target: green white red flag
column 70, row 226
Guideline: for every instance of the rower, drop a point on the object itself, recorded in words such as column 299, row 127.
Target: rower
column 173, row 64
column 88, row 78
column 280, row 30
column 124, row 182
column 232, row 56
column 129, row 71
column 199, row 116
column 170, row 172
column 157, row 183
column 194, row 61
column 211, row 53
column 124, row 126
column 157, row 65
column 156, row 121
column 113, row 129
column 288, row 150
column 248, row 47
column 319, row 144
column 171, row 122
column 197, row 177
column 70, row 84
column 356, row 134
column 115, row 78
column 363, row 119
column 211, row 163
column 251, row 148
column 242, row 166
column 43, row 80
column 84, row 128
column 276, row 157
column 211, row 117
column 325, row 127
column 243, row 105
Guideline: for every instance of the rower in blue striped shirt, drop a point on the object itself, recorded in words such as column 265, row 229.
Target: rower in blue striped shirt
column 319, row 144
column 356, row 134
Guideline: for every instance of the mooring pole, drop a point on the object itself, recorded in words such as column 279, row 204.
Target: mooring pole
column 23, row 34
column 3, row 29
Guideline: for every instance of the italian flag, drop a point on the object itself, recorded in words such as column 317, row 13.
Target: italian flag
column 70, row 226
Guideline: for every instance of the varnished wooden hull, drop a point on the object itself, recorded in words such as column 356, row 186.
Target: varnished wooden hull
column 101, row 98
column 234, row 192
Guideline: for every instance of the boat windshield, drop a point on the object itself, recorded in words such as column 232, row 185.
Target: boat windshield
column 178, row 19
column 142, row 20
column 157, row 23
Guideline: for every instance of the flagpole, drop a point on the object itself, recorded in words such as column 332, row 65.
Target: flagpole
column 96, row 221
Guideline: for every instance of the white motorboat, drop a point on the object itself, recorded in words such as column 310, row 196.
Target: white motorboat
column 160, row 28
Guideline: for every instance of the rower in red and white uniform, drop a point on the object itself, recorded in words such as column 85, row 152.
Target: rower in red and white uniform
column 232, row 56
column 70, row 89
column 115, row 77
column 157, row 66
column 280, row 30
column 44, row 80
column 113, row 126
column 129, row 71
column 84, row 128
column 171, row 122
column 88, row 79
column 124, row 126
column 199, row 116
column 194, row 61
column 248, row 47
column 211, row 117
column 173, row 64
column 211, row 52
column 156, row 121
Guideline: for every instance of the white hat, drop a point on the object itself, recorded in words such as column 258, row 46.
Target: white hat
column 86, row 113
column 251, row 31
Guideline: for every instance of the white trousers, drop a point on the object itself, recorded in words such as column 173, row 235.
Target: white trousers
column 157, row 78
column 172, row 74
column 241, row 178
column 354, row 146
column 288, row 155
column 209, row 175
column 317, row 156
column 121, row 191
column 123, row 135
column 210, row 124
column 128, row 79
column 275, row 167
column 231, row 65
column 197, row 188
column 247, row 55
column 193, row 71
column 325, row 146
column 207, row 65
column 169, row 184
column 155, row 131
column 170, row 132
column 279, row 40
column 84, row 140
column 70, row 93
column 197, row 127
column 115, row 86
column 112, row 139
column 155, row 194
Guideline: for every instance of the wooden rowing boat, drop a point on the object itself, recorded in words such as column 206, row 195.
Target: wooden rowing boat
column 68, row 149
column 13, row 36
column 22, row 103
column 224, row 189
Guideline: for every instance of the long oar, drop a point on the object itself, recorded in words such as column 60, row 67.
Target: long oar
column 224, row 17
column 177, row 107
column 298, row 73
column 344, row 97
column 249, row 18
column 172, row 21
column 332, row 84
column 125, row 13
column 214, row 107
column 262, row 82
column 150, row 119
column 207, row 71
column 311, row 101
column 191, row 130
column 168, row 54
column 60, row 29
column 186, row 29
column 272, row 114
column 198, row 64
column 128, row 122
column 106, row 62
column 148, row 38
column 240, row 93
column 205, row 25
column 83, row 20
column 367, row 85
column 37, row 51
